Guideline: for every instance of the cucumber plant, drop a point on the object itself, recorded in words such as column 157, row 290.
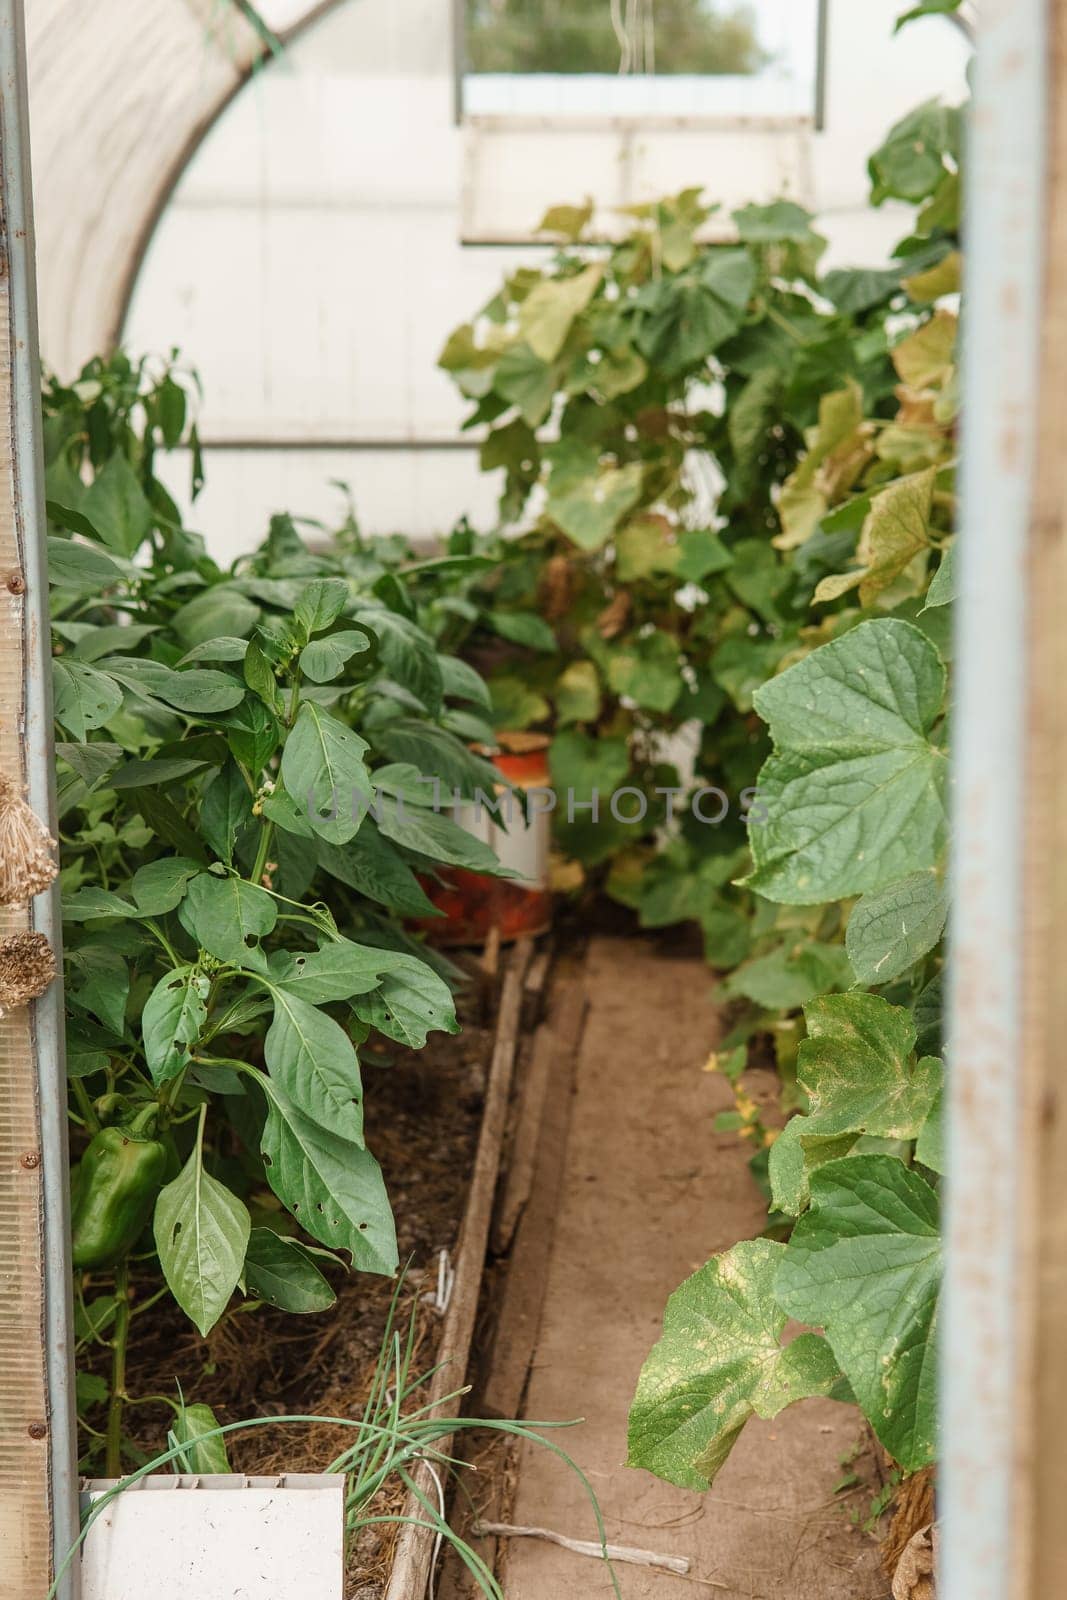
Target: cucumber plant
column 730, row 485
column 852, row 834
column 675, row 419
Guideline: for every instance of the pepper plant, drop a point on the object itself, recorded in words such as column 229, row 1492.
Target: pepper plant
column 246, row 808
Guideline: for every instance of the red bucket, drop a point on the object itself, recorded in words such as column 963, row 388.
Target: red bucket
column 474, row 904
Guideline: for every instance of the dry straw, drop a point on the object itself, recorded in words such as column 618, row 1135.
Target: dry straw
column 27, row 864
column 27, row 967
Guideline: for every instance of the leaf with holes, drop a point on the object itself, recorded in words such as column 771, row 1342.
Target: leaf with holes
column 201, row 1230
column 225, row 914
column 172, row 1020
column 283, row 1272
column 333, row 1187
column 83, row 697
column 336, row 971
column 410, row 1002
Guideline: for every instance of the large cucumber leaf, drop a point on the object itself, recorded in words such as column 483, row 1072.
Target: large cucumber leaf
column 852, row 797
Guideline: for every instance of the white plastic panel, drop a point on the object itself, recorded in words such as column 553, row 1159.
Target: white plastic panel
column 417, row 492
column 313, row 258
column 218, row 1538
column 512, row 169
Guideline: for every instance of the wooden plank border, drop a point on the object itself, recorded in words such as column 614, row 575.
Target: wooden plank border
column 414, row 1551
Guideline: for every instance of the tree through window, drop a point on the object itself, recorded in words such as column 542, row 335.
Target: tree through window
column 595, row 36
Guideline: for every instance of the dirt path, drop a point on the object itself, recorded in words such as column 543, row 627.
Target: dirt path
column 649, row 1193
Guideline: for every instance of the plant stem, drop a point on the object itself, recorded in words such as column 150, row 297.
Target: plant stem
column 81, row 1094
column 113, row 1449
column 265, row 837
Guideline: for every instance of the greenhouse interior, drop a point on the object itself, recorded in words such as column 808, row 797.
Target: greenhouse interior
column 531, row 864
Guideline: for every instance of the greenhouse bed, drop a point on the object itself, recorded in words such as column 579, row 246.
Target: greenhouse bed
column 438, row 1126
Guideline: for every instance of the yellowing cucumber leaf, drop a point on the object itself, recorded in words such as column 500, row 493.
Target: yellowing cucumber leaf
column 548, row 312
column 838, row 450
column 895, row 531
column 591, row 510
column 944, row 278
column 925, row 357
column 569, row 221
column 720, row 1361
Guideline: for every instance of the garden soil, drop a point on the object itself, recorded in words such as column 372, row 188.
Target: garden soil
column 649, row 1192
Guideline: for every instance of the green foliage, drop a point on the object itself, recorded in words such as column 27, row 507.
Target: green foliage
column 531, row 36
column 720, row 1361
column 728, row 505
column 851, row 804
column 236, row 859
column 854, row 788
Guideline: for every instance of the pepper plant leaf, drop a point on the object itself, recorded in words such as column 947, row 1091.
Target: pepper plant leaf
column 224, row 914
column 332, row 1186
column 336, row 971
column 324, row 771
column 313, row 1059
column 325, row 659
column 282, row 1272
column 205, row 1449
column 201, row 1230
column 430, row 833
column 172, row 1019
column 84, row 698
column 410, row 1002
column 371, row 865
column 160, row 885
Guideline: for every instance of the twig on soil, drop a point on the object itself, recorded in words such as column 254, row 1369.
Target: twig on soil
column 586, row 1547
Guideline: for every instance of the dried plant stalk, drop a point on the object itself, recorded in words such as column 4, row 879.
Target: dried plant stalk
column 27, row 967
column 27, row 862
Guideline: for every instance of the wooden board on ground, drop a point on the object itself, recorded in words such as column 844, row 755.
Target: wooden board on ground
column 414, row 1551
column 545, row 1093
column 645, row 1192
